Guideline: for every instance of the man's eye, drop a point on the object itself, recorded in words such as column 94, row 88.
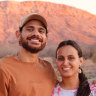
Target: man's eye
column 71, row 58
column 29, row 29
column 42, row 31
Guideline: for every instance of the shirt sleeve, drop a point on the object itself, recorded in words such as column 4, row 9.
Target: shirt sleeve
column 93, row 90
column 51, row 72
column 3, row 83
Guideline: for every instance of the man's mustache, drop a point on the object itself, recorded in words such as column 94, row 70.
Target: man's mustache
column 36, row 37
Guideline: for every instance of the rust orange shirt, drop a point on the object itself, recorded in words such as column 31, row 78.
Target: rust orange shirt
column 19, row 78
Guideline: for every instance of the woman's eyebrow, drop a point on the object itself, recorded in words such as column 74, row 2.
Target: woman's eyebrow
column 70, row 55
column 60, row 56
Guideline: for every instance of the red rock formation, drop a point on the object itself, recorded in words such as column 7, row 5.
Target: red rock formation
column 64, row 22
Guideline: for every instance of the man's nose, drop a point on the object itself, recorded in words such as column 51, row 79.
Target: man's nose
column 35, row 32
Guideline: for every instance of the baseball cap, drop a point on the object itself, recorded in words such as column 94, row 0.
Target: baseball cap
column 33, row 16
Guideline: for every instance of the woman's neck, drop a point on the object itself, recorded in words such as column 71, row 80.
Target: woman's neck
column 70, row 83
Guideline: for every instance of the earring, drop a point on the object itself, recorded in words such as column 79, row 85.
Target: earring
column 79, row 69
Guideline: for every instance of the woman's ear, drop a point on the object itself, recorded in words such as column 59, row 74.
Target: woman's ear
column 81, row 60
column 56, row 62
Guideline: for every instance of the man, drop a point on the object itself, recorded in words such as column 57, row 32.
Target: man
column 25, row 74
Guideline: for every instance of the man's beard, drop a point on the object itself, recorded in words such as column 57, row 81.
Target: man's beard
column 31, row 49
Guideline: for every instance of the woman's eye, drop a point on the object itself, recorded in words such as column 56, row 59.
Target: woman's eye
column 60, row 58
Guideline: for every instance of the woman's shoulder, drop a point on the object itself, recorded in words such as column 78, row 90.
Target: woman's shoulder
column 56, row 90
column 93, row 90
column 57, row 87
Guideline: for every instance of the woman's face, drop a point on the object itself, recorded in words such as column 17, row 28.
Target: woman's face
column 68, row 61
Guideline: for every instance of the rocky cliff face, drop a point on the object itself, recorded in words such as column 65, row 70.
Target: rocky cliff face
column 64, row 22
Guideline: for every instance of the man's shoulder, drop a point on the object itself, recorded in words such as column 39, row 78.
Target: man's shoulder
column 4, row 68
column 4, row 61
column 47, row 65
column 6, row 58
column 45, row 62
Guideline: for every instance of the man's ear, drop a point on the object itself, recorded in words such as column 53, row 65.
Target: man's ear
column 47, row 37
column 81, row 60
column 18, row 33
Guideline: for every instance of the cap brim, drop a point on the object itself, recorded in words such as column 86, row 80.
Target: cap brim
column 32, row 17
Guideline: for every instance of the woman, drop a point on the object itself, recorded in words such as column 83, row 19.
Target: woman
column 69, row 61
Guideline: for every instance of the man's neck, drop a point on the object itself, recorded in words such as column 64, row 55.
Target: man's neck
column 27, row 56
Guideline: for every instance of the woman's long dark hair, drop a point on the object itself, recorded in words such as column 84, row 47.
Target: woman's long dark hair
column 84, row 88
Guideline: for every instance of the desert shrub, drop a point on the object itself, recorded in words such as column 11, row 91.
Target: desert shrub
column 87, row 50
column 8, row 50
column 49, row 51
column 87, row 53
column 94, row 57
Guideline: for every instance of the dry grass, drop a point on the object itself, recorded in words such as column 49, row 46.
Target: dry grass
column 89, row 68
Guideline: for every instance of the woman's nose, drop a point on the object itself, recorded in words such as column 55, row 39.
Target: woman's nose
column 65, row 62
